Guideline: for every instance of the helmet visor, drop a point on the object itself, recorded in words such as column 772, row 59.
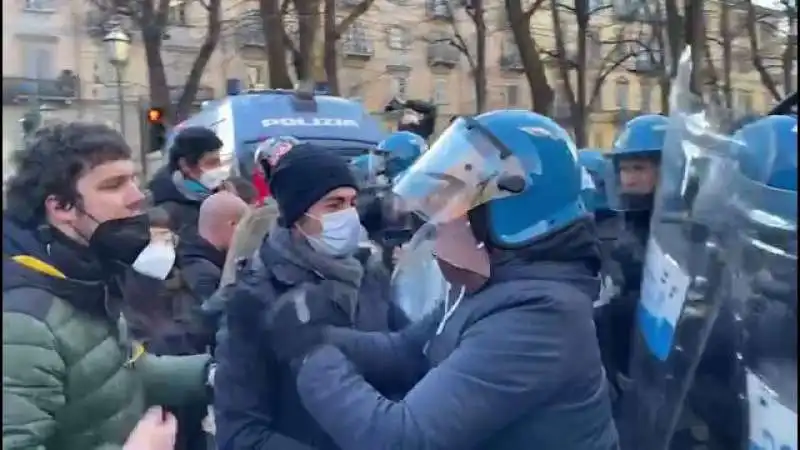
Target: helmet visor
column 464, row 168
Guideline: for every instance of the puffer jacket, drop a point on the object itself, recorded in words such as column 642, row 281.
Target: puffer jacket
column 73, row 379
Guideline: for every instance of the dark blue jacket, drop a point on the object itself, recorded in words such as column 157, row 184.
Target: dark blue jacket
column 256, row 403
column 516, row 366
column 201, row 265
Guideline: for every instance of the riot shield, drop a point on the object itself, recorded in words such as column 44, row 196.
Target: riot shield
column 763, row 269
column 682, row 281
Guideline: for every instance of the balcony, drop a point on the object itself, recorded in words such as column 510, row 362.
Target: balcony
column 511, row 62
column 442, row 54
column 63, row 89
column 645, row 66
column 204, row 93
column 398, row 62
column 358, row 49
column 439, row 10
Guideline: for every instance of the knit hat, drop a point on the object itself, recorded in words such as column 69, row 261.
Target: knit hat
column 303, row 176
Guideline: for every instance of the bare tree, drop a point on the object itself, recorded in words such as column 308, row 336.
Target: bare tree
column 520, row 21
column 333, row 33
column 591, row 69
column 151, row 19
column 474, row 55
column 772, row 36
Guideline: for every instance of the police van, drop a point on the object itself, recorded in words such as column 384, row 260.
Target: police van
column 244, row 120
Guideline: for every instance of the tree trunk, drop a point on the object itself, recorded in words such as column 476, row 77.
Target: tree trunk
column 308, row 22
column 192, row 84
column 272, row 24
column 541, row 92
column 694, row 30
column 480, row 66
column 329, row 58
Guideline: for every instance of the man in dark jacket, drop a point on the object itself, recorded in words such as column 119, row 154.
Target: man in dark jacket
column 73, row 377
column 514, row 363
column 310, row 254
column 193, row 172
column 201, row 257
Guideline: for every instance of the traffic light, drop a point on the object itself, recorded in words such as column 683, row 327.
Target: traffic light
column 156, row 128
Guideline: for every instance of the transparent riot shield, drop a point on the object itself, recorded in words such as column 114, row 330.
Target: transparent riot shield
column 682, row 281
column 763, row 269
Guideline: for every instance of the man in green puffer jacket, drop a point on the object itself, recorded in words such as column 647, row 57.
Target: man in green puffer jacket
column 72, row 377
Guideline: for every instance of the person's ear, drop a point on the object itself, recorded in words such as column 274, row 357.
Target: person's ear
column 59, row 211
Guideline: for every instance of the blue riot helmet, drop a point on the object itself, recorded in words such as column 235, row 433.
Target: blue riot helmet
column 596, row 165
column 513, row 172
column 635, row 157
column 765, row 189
column 401, row 149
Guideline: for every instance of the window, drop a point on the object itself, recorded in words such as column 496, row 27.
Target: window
column 354, row 91
column 744, row 101
column 598, row 141
column 400, row 86
column 512, row 95
column 38, row 60
column 440, row 7
column 256, row 76
column 560, row 103
column 594, row 47
column 176, row 66
column 177, row 14
column 622, row 92
column 646, row 92
column 398, row 38
column 440, row 91
column 39, row 5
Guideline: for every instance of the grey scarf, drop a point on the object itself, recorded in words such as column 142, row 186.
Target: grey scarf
column 341, row 277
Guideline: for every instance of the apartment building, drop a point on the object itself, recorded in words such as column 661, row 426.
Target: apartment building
column 53, row 52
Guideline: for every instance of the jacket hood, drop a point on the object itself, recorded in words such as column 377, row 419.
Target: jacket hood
column 164, row 189
column 30, row 259
column 571, row 254
column 194, row 246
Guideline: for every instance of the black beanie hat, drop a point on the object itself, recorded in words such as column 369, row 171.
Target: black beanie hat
column 303, row 176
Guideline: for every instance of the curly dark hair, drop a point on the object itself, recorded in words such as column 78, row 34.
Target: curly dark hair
column 51, row 163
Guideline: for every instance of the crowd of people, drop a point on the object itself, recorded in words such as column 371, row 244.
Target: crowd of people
column 480, row 293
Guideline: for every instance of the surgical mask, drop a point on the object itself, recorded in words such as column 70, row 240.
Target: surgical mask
column 128, row 241
column 156, row 260
column 212, row 179
column 341, row 233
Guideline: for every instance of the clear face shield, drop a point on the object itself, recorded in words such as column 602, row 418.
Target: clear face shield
column 466, row 167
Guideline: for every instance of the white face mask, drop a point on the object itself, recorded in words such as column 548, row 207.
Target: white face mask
column 213, row 178
column 156, row 260
column 341, row 233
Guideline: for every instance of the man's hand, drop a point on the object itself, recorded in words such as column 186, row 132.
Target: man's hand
column 296, row 321
column 155, row 431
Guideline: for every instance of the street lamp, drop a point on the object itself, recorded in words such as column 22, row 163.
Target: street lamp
column 118, row 47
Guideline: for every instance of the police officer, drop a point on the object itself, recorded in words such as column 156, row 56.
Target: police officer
column 752, row 351
column 631, row 184
column 502, row 193
column 418, row 117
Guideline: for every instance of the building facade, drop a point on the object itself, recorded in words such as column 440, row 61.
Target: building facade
column 54, row 59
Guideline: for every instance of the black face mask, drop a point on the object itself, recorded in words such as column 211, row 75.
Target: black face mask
column 121, row 239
